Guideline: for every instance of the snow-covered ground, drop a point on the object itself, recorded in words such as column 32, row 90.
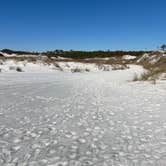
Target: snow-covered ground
column 129, row 57
column 13, row 66
column 82, row 119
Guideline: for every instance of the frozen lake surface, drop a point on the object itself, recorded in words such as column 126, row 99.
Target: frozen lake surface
column 87, row 119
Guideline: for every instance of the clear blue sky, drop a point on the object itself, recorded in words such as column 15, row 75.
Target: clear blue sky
column 82, row 24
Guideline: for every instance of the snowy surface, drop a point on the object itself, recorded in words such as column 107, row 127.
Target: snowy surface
column 16, row 55
column 10, row 66
column 152, row 58
column 71, row 66
column 7, row 55
column 82, row 119
column 129, row 57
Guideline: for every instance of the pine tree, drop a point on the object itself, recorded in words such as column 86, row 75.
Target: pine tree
column 163, row 47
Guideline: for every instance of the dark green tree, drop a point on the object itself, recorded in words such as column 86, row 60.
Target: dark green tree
column 163, row 47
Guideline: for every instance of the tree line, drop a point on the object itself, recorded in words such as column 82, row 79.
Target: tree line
column 78, row 54
column 91, row 54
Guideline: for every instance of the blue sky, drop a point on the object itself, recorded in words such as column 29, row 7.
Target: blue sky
column 82, row 24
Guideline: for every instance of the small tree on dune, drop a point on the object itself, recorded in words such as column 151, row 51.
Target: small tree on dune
column 163, row 47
